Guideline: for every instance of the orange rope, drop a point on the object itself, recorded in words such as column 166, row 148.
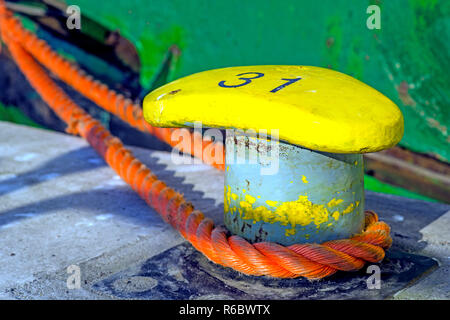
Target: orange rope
column 99, row 93
column 313, row 261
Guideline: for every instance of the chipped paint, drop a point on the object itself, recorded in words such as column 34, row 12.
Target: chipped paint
column 403, row 93
column 272, row 203
column 350, row 208
column 333, row 202
column 250, row 199
column 336, row 215
column 290, row 213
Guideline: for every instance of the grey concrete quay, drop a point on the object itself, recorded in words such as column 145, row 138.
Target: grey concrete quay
column 64, row 213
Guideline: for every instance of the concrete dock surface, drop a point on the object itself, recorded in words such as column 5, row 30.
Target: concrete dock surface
column 64, row 213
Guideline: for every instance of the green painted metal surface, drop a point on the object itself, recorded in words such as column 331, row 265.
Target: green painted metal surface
column 371, row 183
column 407, row 59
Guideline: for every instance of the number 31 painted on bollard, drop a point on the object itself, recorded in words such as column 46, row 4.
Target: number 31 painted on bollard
column 248, row 80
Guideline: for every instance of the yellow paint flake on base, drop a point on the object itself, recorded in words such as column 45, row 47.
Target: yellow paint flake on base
column 250, row 199
column 304, row 179
column 271, row 203
column 302, row 212
column 336, row 215
column 350, row 208
column 245, row 205
column 289, row 232
column 226, row 198
column 333, row 202
column 299, row 212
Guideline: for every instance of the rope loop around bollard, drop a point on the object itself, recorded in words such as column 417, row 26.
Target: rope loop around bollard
column 312, row 261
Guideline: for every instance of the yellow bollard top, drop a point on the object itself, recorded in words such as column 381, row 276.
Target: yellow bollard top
column 314, row 107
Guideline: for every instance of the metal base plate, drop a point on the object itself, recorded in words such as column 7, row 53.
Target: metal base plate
column 184, row 273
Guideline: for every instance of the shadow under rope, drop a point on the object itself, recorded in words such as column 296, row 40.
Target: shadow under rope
column 112, row 199
column 206, row 205
column 79, row 160
column 95, row 202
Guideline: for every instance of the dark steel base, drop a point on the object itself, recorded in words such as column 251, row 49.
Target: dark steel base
column 184, row 273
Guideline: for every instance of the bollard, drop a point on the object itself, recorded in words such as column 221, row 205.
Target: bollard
column 325, row 120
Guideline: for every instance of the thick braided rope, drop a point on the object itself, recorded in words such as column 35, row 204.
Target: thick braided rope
column 313, row 261
column 105, row 97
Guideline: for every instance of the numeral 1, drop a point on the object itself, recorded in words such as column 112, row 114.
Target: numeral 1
column 289, row 81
